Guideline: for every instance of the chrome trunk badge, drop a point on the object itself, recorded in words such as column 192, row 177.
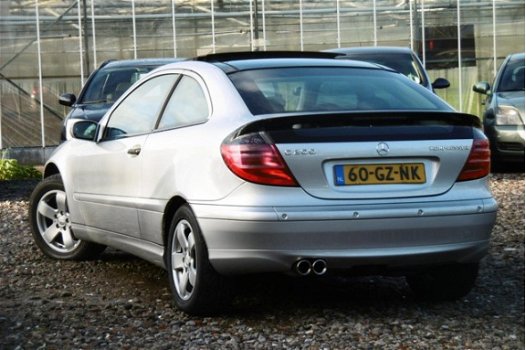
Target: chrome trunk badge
column 382, row 149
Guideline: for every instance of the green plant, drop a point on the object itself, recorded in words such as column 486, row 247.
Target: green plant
column 11, row 170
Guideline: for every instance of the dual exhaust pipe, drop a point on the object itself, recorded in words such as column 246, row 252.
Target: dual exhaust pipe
column 305, row 267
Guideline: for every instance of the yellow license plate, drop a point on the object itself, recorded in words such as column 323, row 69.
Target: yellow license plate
column 377, row 174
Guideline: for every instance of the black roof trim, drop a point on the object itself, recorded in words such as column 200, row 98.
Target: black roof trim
column 370, row 50
column 251, row 55
column 106, row 62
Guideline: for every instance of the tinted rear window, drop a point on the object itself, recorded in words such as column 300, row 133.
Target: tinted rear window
column 317, row 89
column 401, row 62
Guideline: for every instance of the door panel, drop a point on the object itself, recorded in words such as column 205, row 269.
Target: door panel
column 108, row 175
column 107, row 184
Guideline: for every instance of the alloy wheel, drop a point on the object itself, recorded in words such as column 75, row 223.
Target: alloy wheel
column 54, row 225
column 184, row 267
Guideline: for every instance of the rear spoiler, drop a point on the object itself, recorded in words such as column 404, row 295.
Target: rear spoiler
column 365, row 126
column 361, row 118
column 250, row 55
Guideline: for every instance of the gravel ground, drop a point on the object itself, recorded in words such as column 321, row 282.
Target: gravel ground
column 120, row 301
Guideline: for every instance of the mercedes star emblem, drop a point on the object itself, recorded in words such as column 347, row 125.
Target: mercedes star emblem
column 382, row 149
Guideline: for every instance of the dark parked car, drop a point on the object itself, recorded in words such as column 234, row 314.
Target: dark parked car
column 504, row 115
column 104, row 86
column 401, row 59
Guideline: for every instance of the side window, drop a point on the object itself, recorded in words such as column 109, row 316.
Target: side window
column 138, row 113
column 188, row 105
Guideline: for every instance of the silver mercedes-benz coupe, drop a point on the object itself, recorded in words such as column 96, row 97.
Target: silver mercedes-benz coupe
column 284, row 162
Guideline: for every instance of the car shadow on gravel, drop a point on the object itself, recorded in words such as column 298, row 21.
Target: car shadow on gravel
column 259, row 294
column 283, row 297
column 285, row 294
column 266, row 292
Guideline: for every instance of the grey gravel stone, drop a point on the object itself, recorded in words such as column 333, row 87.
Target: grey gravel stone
column 122, row 302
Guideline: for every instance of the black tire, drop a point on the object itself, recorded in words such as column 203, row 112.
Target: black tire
column 51, row 226
column 196, row 287
column 444, row 283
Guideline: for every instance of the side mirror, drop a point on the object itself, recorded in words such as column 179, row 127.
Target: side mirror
column 67, row 99
column 440, row 83
column 482, row 87
column 84, row 129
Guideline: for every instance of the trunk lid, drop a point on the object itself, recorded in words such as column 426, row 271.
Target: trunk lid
column 372, row 155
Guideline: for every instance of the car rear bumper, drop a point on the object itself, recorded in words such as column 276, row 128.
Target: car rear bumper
column 249, row 240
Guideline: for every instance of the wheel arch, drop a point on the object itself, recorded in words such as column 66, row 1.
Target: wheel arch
column 171, row 207
column 51, row 169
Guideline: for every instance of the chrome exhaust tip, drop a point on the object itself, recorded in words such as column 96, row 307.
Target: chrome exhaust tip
column 303, row 267
column 319, row 267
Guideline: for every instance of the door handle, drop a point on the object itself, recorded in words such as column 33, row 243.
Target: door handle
column 135, row 150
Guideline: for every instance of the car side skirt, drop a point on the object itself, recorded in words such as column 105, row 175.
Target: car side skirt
column 148, row 251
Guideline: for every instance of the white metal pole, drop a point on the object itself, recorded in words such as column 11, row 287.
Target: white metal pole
column 338, row 27
column 423, row 34
column 459, row 42
column 251, row 25
column 134, row 31
column 264, row 25
column 174, row 31
column 411, row 35
column 301, row 25
column 39, row 54
column 213, row 26
column 80, row 44
column 374, row 23
column 494, row 39
column 94, row 36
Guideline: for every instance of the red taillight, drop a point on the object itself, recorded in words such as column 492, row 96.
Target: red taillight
column 478, row 163
column 254, row 159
